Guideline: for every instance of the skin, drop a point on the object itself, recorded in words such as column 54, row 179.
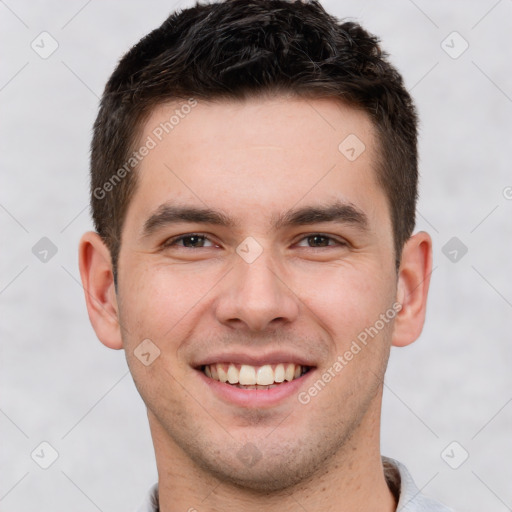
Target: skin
column 255, row 160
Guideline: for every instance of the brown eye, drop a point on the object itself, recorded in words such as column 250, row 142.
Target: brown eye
column 189, row 241
column 318, row 240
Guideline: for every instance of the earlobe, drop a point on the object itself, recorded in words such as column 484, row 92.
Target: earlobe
column 98, row 282
column 412, row 290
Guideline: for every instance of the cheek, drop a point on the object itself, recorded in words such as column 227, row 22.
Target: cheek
column 157, row 301
column 344, row 298
column 157, row 305
column 348, row 304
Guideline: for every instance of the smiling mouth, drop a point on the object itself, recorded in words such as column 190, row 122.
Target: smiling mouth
column 245, row 376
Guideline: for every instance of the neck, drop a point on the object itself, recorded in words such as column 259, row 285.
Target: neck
column 352, row 479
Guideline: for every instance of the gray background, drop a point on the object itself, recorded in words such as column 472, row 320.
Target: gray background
column 60, row 385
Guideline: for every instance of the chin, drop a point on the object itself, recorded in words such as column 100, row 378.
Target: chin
column 272, row 468
column 266, row 476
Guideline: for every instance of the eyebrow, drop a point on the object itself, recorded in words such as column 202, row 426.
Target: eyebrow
column 339, row 212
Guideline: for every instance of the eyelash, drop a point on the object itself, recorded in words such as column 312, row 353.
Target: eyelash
column 172, row 241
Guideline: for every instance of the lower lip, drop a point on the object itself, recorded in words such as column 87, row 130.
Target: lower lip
column 256, row 397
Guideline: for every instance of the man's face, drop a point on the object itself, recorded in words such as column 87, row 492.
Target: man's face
column 268, row 288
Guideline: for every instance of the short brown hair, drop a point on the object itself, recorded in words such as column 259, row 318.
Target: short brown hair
column 237, row 49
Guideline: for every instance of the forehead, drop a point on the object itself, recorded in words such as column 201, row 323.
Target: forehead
column 263, row 155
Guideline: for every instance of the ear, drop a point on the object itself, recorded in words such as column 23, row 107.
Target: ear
column 413, row 283
column 100, row 295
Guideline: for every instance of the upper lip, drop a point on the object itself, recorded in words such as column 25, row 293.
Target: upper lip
column 243, row 357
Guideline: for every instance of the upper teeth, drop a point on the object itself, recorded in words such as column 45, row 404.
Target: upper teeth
column 250, row 375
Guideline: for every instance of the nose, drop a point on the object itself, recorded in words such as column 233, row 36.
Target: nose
column 256, row 297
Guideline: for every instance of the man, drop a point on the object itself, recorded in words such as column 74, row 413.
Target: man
column 254, row 180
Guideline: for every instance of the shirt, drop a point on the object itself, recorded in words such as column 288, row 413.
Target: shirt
column 398, row 479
